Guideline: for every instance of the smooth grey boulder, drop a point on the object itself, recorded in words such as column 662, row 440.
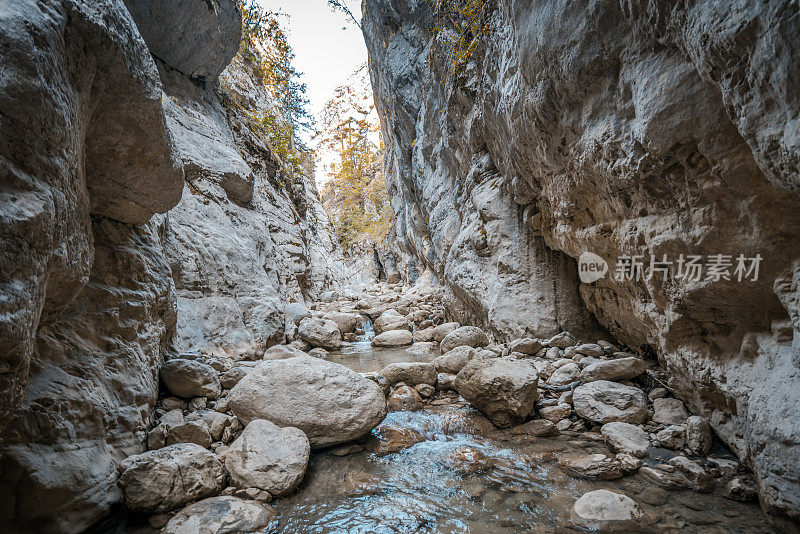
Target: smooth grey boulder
column 453, row 361
column 268, row 457
column 669, row 411
column 330, row 403
column 223, row 515
column 320, row 333
column 412, row 373
column 504, row 389
column 393, row 338
column 619, row 369
column 191, row 36
column 565, row 374
column 605, row 402
column 386, row 323
column 471, row 336
column 525, row 345
column 162, row 480
column 626, row 438
column 189, row 378
column 603, row 509
column 698, row 435
column 347, row 322
column 439, row 332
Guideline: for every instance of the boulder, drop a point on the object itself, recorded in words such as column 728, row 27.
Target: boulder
column 597, row 466
column 347, row 322
column 268, row 457
column 605, row 402
column 439, row 332
column 566, row 374
column 561, row 341
column 404, row 399
column 672, row 437
column 422, row 348
column 453, row 361
column 393, row 338
column 619, row 369
column 220, row 425
column 163, row 480
column 446, row 381
column 698, row 435
column 669, row 411
column 386, row 323
column 589, row 349
column 338, row 404
column 604, row 509
column 556, row 412
column 320, row 333
column 189, row 432
column 189, row 378
column 471, row 336
column 626, row 438
column 525, row 345
column 411, row 373
column 698, row 478
column 535, row 427
column 504, row 389
column 231, row 377
column 223, row 515
column 389, row 439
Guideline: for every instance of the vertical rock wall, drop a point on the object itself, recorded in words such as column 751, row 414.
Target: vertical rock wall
column 618, row 128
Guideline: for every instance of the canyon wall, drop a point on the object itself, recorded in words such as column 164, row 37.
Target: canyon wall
column 618, row 128
column 139, row 217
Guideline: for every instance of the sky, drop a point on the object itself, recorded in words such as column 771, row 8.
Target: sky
column 325, row 53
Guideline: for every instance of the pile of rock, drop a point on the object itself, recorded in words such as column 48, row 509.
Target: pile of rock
column 230, row 432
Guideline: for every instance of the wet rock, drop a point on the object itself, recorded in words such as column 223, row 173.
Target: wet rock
column 390, row 439
column 404, row 399
column 453, row 361
column 339, row 405
column 470, row 460
column 441, row 331
column 268, row 457
column 603, row 509
column 535, row 427
column 393, row 338
column 504, row 389
column 699, row 479
column 347, row 322
column 605, row 402
column 446, row 381
column 669, row 411
column 525, row 345
column 162, row 480
column 188, row 378
column 320, row 333
column 471, row 336
column 387, row 323
column 626, row 438
column 565, row 374
column 422, row 348
column 698, row 435
column 223, row 515
column 597, row 466
column 556, row 412
column 412, row 373
column 619, row 369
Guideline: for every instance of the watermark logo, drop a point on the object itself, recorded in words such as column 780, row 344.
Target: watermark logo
column 683, row 267
column 591, row 267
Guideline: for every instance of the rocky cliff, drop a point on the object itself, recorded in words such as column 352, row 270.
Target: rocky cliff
column 618, row 128
column 110, row 116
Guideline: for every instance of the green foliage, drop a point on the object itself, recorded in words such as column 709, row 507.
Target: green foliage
column 360, row 206
column 265, row 51
column 460, row 24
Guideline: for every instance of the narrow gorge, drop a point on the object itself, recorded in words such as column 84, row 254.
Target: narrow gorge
column 558, row 291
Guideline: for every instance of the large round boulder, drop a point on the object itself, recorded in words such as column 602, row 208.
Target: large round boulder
column 393, row 338
column 603, row 509
column 605, row 402
column 385, row 323
column 320, row 333
column 165, row 479
column 471, row 336
column 454, row 360
column 268, row 457
column 505, row 389
column 190, row 378
column 412, row 373
column 223, row 515
column 330, row 403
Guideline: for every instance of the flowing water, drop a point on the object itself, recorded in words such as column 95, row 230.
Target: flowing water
column 465, row 475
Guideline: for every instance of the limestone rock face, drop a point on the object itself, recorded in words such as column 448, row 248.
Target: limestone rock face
column 338, row 404
column 177, row 32
column 267, row 457
column 502, row 388
column 619, row 130
column 162, row 480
